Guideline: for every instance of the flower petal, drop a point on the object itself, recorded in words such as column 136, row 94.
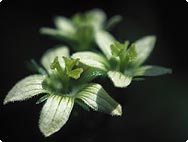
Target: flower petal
column 98, row 99
column 113, row 21
column 65, row 25
column 55, row 113
column 49, row 56
column 91, row 59
column 58, row 34
column 152, row 71
column 104, row 41
column 98, row 17
column 119, row 80
column 144, row 47
column 26, row 88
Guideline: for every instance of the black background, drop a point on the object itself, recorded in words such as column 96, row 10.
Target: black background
column 154, row 110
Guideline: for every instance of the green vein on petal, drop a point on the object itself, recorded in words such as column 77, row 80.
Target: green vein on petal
column 119, row 80
column 55, row 113
column 98, row 99
column 91, row 59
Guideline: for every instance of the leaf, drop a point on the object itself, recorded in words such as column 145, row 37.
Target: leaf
column 82, row 104
column 33, row 66
column 99, row 100
column 104, row 40
column 65, row 25
column 113, row 21
column 119, row 80
column 42, row 99
column 26, row 88
column 144, row 47
column 90, row 73
column 152, row 71
column 92, row 59
column 49, row 56
column 55, row 113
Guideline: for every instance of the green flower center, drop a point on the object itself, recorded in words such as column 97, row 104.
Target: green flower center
column 123, row 57
column 61, row 81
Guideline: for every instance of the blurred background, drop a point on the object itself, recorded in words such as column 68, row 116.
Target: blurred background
column 154, row 110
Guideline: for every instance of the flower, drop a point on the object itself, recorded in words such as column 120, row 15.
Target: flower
column 66, row 82
column 122, row 64
column 79, row 31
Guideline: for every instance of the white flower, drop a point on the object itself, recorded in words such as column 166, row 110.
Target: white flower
column 66, row 83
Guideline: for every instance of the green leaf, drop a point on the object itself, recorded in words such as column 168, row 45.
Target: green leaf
column 55, row 113
column 152, row 71
column 92, row 59
column 65, row 25
column 144, row 47
column 104, row 41
column 26, row 88
column 90, row 73
column 113, row 21
column 82, row 104
column 42, row 99
column 99, row 100
column 49, row 56
column 119, row 80
column 33, row 66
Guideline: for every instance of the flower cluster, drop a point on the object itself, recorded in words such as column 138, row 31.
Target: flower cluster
column 66, row 80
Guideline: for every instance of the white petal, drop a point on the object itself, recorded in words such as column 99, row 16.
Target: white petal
column 55, row 113
column 49, row 56
column 104, row 41
column 65, row 25
column 119, row 80
column 91, row 59
column 98, row 99
column 144, row 47
column 98, row 17
column 26, row 88
column 151, row 70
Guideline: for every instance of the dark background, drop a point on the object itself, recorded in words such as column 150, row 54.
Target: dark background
column 154, row 110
